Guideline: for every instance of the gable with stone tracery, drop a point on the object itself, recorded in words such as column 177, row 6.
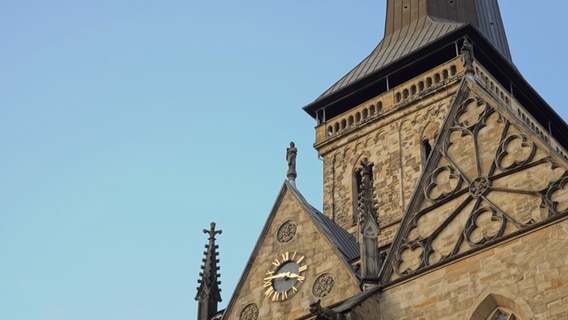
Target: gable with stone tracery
column 488, row 178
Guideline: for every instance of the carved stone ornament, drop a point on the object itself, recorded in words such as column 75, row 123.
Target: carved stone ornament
column 250, row 312
column 322, row 313
column 323, row 285
column 479, row 186
column 291, row 154
column 444, row 181
column 489, row 180
column 467, row 56
column 286, row 232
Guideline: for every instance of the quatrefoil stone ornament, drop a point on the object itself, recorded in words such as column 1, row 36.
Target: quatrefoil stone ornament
column 323, row 285
column 250, row 312
column 286, row 232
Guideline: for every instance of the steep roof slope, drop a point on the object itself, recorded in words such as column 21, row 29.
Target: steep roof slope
column 411, row 25
column 298, row 235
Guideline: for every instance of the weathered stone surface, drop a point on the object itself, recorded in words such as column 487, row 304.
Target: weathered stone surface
column 320, row 259
column 392, row 138
column 530, row 270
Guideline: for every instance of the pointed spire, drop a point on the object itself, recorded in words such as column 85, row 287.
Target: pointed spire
column 208, row 292
column 482, row 14
column 369, row 226
column 410, row 27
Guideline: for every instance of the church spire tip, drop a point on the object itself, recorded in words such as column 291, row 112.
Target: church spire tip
column 208, row 292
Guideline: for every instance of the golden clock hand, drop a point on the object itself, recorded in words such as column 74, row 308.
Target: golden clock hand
column 296, row 276
column 271, row 277
column 276, row 276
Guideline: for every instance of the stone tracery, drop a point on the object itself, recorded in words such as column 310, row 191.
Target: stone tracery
column 481, row 189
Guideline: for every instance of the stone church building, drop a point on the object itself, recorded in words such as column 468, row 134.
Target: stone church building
column 445, row 188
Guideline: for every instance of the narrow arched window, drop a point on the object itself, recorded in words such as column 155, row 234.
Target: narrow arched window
column 502, row 314
column 437, row 78
column 420, row 85
column 426, row 149
column 453, row 70
column 363, row 182
column 499, row 307
column 357, row 189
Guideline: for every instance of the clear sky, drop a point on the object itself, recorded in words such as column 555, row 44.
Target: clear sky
column 126, row 127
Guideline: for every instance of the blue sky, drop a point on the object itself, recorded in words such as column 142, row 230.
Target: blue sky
column 126, row 127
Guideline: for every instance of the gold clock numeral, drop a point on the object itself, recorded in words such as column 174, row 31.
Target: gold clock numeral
column 288, row 279
column 276, row 263
column 269, row 292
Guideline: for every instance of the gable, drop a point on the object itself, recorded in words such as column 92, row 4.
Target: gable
column 490, row 177
column 296, row 261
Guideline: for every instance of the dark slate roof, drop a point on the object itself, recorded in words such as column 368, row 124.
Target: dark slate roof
column 391, row 48
column 345, row 242
column 413, row 25
column 355, row 300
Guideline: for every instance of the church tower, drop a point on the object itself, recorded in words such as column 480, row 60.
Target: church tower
column 390, row 108
column 445, row 187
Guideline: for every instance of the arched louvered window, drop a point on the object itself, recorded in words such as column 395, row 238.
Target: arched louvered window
column 497, row 306
column 501, row 313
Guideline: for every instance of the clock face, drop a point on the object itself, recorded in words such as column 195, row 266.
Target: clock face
column 285, row 277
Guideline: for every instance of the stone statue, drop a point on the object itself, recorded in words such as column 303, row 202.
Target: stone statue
column 323, row 313
column 467, row 57
column 291, row 153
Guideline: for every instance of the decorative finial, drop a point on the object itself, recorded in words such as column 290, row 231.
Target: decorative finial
column 291, row 153
column 467, row 57
column 369, row 226
column 208, row 292
column 367, row 203
column 212, row 232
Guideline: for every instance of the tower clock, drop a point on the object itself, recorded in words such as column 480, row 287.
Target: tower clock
column 285, row 276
